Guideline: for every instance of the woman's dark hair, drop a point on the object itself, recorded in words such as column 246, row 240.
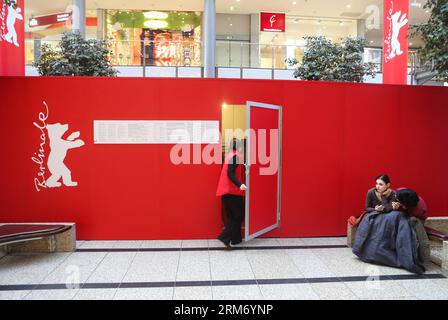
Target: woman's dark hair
column 235, row 144
column 407, row 197
column 383, row 177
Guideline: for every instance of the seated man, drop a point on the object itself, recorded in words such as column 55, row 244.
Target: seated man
column 415, row 207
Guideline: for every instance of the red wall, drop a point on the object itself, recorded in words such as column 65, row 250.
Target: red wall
column 336, row 138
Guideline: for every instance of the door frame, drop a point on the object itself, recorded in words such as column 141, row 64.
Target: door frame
column 250, row 104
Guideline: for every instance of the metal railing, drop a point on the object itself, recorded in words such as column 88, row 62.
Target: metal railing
column 229, row 54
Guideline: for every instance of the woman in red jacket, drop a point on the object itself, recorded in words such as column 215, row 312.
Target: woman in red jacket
column 232, row 189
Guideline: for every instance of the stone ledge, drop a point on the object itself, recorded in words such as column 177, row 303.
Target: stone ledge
column 61, row 242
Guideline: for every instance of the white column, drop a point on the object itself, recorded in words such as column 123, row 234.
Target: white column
column 209, row 38
column 255, row 40
column 79, row 17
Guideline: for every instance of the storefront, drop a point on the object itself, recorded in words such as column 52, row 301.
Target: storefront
column 154, row 38
column 168, row 34
column 287, row 41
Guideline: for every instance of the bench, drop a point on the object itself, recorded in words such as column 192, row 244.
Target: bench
column 37, row 237
column 437, row 230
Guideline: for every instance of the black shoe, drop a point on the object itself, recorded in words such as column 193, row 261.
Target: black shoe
column 235, row 243
column 227, row 245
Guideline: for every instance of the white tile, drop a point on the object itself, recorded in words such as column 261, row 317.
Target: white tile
column 268, row 242
column 112, row 268
column 153, row 266
column 144, row 294
column 272, row 264
column 290, row 242
column 161, row 244
column 230, row 265
column 288, row 292
column 79, row 266
column 29, row 269
column 309, row 264
column 334, row 253
column 60, row 294
column 378, row 289
column 443, row 283
column 344, row 265
column 214, row 243
column 249, row 292
column 79, row 243
column 127, row 244
column 106, row 244
column 14, row 294
column 195, row 243
column 425, row 289
column 333, row 291
column 329, row 241
column 194, row 266
column 95, row 294
column 193, row 293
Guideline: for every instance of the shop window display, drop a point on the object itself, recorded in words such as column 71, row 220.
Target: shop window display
column 155, row 38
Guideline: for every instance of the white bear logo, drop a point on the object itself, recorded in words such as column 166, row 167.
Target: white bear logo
column 398, row 22
column 14, row 13
column 58, row 151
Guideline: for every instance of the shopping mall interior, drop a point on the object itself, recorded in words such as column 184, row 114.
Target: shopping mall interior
column 168, row 33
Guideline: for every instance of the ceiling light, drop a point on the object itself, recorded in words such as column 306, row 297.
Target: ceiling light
column 232, row 8
column 294, row 3
column 296, row 20
column 349, row 6
column 155, row 15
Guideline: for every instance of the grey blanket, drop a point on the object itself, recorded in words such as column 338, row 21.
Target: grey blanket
column 388, row 239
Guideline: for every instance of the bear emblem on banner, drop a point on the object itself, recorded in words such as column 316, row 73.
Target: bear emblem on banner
column 58, row 151
column 398, row 21
column 12, row 12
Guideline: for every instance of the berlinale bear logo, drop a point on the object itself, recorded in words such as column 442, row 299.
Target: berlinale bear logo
column 393, row 45
column 58, row 151
column 59, row 147
column 14, row 13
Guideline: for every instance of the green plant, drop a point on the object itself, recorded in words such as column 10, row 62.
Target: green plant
column 327, row 61
column 434, row 34
column 75, row 56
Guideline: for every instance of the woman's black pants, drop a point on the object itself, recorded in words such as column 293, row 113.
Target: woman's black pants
column 234, row 207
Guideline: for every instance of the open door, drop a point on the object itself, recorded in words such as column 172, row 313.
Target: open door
column 263, row 168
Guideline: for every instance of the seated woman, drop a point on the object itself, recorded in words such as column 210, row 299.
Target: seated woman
column 415, row 207
column 384, row 234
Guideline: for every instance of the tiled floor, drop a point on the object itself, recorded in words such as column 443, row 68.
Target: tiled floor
column 305, row 268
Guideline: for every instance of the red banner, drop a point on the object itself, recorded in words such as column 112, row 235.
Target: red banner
column 395, row 46
column 272, row 22
column 12, row 38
